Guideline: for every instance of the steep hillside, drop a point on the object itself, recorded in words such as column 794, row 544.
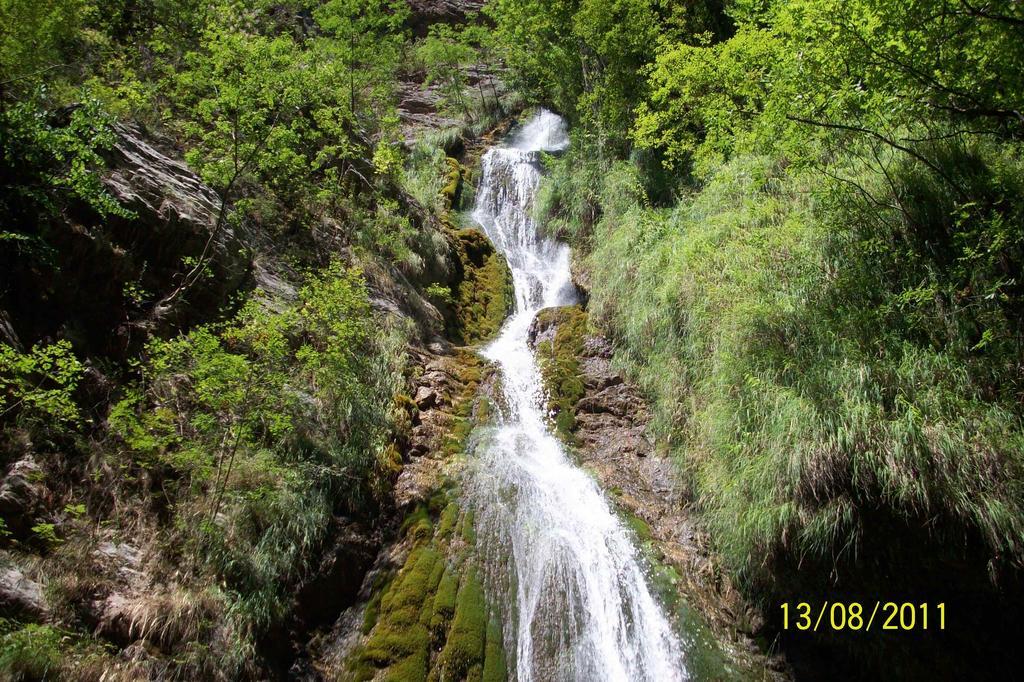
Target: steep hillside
column 228, row 255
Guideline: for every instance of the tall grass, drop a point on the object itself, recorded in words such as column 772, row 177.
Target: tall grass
column 768, row 318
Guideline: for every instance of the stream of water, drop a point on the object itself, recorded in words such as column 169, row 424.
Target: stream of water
column 581, row 608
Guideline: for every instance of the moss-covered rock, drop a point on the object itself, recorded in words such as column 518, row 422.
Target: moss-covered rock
column 372, row 612
column 495, row 667
column 558, row 354
column 479, row 294
column 484, row 295
column 418, row 525
column 429, row 620
column 464, row 650
column 400, row 640
column 452, row 190
column 445, row 601
column 449, row 517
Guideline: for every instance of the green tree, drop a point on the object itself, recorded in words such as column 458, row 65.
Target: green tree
column 538, row 45
column 37, row 39
column 39, row 386
column 363, row 42
column 241, row 92
column 446, row 55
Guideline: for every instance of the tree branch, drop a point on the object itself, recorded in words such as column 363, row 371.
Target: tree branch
column 882, row 138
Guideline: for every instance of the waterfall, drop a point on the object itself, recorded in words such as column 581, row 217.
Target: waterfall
column 580, row 606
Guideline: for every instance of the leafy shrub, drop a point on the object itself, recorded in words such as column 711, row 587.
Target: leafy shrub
column 40, row 385
column 812, row 362
column 279, row 419
column 32, row 652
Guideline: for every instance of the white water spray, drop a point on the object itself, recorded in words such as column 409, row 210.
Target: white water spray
column 582, row 608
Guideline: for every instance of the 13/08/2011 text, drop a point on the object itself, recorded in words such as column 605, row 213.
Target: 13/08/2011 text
column 855, row 616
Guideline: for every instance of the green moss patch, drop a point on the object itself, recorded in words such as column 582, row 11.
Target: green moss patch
column 449, row 517
column 559, row 360
column 430, row 620
column 478, row 296
column 400, row 640
column 495, row 667
column 484, row 294
column 470, row 372
column 445, row 601
column 464, row 650
column 454, row 182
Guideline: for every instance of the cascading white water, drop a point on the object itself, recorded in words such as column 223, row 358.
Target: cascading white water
column 582, row 607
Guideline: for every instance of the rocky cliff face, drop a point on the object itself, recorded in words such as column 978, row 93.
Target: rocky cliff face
column 100, row 278
column 422, row 107
column 426, row 13
column 178, row 218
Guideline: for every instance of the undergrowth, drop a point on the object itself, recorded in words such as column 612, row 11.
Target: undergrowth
column 834, row 364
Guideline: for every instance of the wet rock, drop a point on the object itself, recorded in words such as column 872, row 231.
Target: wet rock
column 426, row 398
column 334, row 585
column 7, row 333
column 542, row 329
column 598, row 347
column 579, row 275
column 417, row 482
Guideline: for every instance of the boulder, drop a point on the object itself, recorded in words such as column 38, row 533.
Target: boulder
column 21, row 595
column 106, row 276
column 23, row 495
column 426, row 13
column 176, row 216
column 426, row 397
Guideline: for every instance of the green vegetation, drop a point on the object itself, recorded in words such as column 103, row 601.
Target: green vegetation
column 223, row 429
column 253, row 469
column 31, row 651
column 495, row 667
column 40, row 385
column 559, row 364
column 802, row 223
column 485, row 296
column 463, row 653
column 432, row 621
